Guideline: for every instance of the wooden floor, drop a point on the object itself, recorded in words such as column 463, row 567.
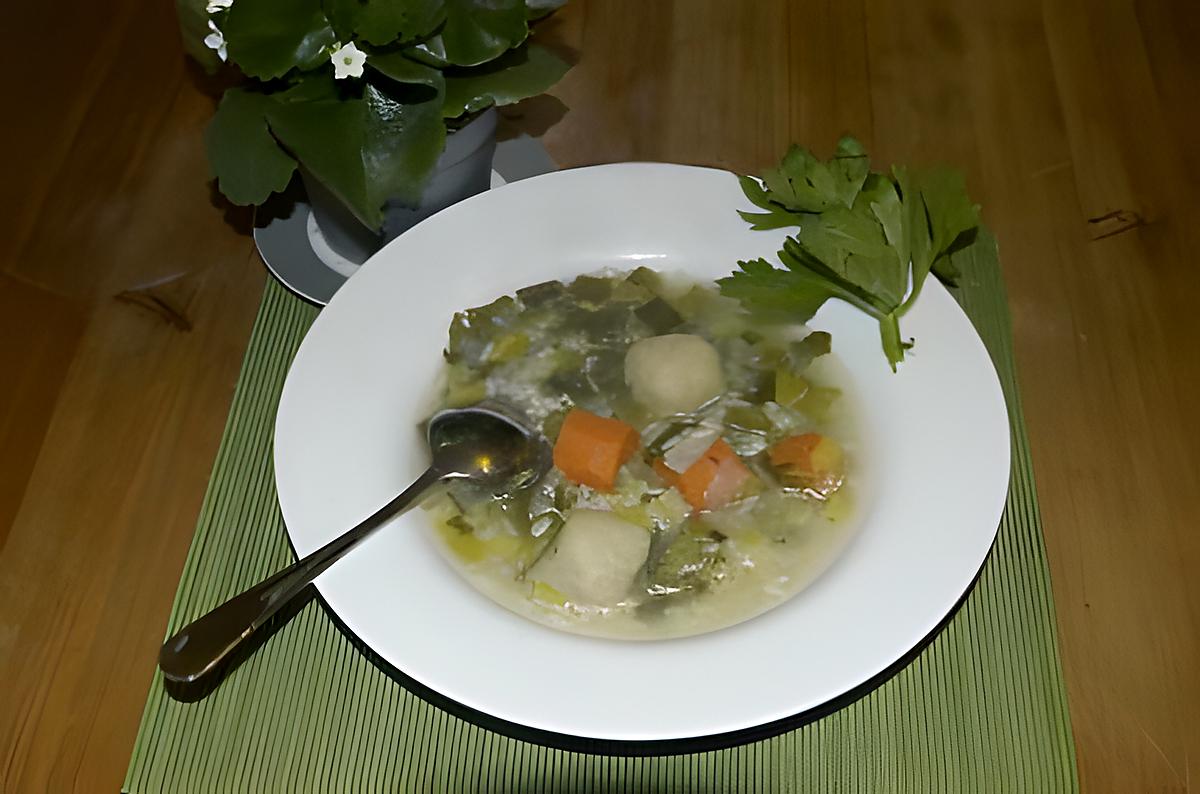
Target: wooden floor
column 127, row 292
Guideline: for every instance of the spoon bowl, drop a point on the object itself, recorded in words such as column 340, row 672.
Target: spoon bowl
column 488, row 444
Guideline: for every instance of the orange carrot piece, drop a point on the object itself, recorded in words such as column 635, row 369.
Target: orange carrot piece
column 591, row 449
column 794, row 450
column 712, row 481
column 810, row 460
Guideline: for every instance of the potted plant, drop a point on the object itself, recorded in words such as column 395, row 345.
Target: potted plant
column 384, row 106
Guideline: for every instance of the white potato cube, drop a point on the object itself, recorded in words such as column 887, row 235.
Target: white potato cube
column 673, row 373
column 595, row 558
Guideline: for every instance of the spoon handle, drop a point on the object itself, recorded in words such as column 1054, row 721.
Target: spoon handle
column 201, row 646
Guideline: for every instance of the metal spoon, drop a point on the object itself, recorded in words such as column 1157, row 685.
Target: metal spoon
column 483, row 443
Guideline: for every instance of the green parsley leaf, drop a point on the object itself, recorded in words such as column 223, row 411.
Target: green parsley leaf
column 870, row 239
column 784, row 294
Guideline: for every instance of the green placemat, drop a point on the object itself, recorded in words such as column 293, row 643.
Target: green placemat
column 981, row 709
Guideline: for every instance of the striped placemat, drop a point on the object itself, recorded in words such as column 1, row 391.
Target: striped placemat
column 982, row 708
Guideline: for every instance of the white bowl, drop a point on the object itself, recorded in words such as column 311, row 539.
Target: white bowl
column 935, row 441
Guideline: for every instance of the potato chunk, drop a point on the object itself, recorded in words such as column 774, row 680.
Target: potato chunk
column 595, row 558
column 674, row 373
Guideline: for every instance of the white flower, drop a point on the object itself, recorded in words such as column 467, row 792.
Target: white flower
column 216, row 41
column 348, row 61
column 218, row 5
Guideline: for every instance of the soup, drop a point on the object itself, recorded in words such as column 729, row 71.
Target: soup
column 703, row 456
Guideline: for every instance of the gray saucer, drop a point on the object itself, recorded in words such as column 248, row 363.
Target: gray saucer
column 292, row 247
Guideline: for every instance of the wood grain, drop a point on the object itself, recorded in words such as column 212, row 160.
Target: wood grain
column 1074, row 121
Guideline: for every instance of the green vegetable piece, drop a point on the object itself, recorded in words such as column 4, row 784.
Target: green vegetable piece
column 574, row 385
column 545, row 594
column 509, row 347
column 801, row 354
column 625, row 291
column 789, row 387
column 606, row 370
column 540, row 294
column 473, row 331
column 747, row 417
column 817, row 403
column 659, row 315
column 591, row 289
column 746, row 431
column 553, row 423
column 647, row 278
column 668, row 509
column 693, row 561
column 464, row 387
column 606, row 324
column 694, row 302
column 460, row 523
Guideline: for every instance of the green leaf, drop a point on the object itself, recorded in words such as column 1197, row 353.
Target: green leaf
column 403, row 140
column 476, row 31
column 515, row 75
column 267, row 41
column 853, row 246
column 791, row 294
column 801, row 183
column 775, row 217
column 342, row 16
column 951, row 211
column 367, row 149
column 863, row 237
column 402, row 69
column 943, row 205
column 246, row 160
column 797, row 259
column 536, row 9
column 770, row 220
column 431, row 52
column 193, row 27
column 850, row 167
column 879, row 197
column 945, row 269
column 754, row 191
column 918, row 245
column 382, row 22
column 325, row 133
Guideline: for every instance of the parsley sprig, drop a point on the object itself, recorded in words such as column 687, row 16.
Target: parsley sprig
column 864, row 237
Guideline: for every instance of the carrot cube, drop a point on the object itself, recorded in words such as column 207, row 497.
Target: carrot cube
column 591, row 449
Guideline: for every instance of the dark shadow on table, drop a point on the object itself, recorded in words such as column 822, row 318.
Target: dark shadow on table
column 698, row 744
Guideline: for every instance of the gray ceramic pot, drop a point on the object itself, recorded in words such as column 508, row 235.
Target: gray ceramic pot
column 464, row 169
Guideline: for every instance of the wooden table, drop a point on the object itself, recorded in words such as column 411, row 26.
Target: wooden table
column 127, row 290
